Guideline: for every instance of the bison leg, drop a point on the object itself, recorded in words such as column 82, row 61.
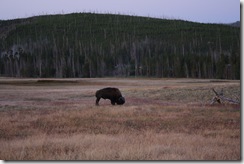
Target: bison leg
column 97, row 101
column 112, row 102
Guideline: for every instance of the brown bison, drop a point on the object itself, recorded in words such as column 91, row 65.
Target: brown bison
column 113, row 94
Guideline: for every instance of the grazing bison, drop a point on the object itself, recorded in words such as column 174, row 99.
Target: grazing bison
column 113, row 94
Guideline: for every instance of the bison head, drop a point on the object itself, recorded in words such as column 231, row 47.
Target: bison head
column 121, row 101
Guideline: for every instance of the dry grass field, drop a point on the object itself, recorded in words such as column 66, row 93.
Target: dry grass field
column 162, row 119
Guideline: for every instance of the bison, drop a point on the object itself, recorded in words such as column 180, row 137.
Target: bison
column 113, row 94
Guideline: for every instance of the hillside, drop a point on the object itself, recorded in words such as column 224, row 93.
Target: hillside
column 99, row 45
column 236, row 24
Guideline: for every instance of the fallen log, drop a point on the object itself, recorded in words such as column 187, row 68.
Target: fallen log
column 220, row 98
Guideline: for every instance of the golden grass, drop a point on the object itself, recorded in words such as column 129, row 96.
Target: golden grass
column 162, row 119
column 142, row 146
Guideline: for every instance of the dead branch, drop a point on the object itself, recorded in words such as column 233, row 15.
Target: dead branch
column 229, row 100
column 215, row 92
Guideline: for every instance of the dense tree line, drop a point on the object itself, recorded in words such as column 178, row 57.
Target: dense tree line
column 101, row 45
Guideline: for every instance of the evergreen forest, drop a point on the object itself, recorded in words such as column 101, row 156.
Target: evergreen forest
column 109, row 45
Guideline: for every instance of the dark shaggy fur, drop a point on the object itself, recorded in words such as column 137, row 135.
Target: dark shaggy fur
column 113, row 94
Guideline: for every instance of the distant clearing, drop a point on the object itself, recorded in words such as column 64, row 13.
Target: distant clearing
column 162, row 119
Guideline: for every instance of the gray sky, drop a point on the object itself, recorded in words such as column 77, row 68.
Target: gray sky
column 205, row 11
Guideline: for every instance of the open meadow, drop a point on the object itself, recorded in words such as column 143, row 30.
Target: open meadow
column 162, row 119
